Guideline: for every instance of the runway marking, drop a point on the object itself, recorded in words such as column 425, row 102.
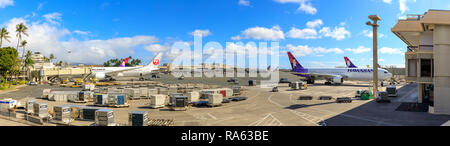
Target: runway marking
column 209, row 114
column 269, row 119
column 310, row 118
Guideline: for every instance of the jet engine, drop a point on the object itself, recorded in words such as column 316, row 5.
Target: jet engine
column 338, row 80
column 100, row 76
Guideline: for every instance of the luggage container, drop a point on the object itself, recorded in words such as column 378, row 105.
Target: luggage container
column 117, row 99
column 62, row 113
column 172, row 97
column 172, row 90
column 7, row 104
column 115, row 90
column 101, row 99
column 383, row 97
column 138, row 118
column 29, row 108
column 193, row 96
column 46, row 93
column 180, row 104
column 87, row 113
column 133, row 93
column 157, row 101
column 41, row 110
column 151, row 92
column 104, row 117
column 236, row 90
column 204, row 93
column 86, row 96
column 215, row 99
column 226, row 92
column 143, row 92
column 163, row 91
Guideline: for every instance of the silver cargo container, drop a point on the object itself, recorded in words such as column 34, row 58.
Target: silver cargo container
column 104, row 117
column 40, row 109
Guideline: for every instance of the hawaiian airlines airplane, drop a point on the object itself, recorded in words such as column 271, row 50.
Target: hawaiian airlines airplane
column 335, row 75
column 349, row 63
column 124, row 63
column 107, row 73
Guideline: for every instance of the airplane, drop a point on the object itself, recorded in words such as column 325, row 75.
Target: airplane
column 349, row 63
column 108, row 73
column 335, row 75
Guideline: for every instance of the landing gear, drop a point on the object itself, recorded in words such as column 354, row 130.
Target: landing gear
column 310, row 81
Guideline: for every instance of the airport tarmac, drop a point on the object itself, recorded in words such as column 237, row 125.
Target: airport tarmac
column 265, row 108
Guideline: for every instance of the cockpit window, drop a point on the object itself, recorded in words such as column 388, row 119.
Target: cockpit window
column 385, row 72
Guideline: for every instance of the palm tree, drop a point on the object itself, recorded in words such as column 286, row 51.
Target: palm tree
column 28, row 62
column 51, row 57
column 23, row 44
column 4, row 34
column 20, row 29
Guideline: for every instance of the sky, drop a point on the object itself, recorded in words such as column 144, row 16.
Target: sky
column 318, row 32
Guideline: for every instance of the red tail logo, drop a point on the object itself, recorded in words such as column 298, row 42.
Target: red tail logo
column 156, row 62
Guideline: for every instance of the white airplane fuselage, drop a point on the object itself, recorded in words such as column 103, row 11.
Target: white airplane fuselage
column 364, row 74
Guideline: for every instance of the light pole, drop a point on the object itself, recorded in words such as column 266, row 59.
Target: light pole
column 375, row 26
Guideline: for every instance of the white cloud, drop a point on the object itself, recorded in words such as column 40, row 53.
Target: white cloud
column 47, row 38
column 53, row 18
column 81, row 32
column 261, row 33
column 304, row 50
column 369, row 34
column 244, row 2
column 387, row 1
column 305, row 5
column 307, row 33
column 40, row 6
column 387, row 50
column 359, row 50
column 403, row 6
column 4, row 3
column 315, row 23
column 339, row 33
column 156, row 48
column 203, row 33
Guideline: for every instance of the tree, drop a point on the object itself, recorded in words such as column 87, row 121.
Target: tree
column 51, row 57
column 8, row 61
column 21, row 29
column 4, row 34
column 28, row 61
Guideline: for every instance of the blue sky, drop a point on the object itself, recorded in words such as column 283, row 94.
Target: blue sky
column 97, row 30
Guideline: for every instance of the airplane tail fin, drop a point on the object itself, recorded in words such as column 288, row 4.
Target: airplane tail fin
column 156, row 61
column 296, row 66
column 349, row 63
column 124, row 63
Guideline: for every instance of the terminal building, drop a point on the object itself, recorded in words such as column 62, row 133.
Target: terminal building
column 428, row 57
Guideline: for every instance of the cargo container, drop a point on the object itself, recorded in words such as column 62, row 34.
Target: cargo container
column 158, row 101
column 193, row 96
column 86, row 96
column 101, row 99
column 104, row 117
column 89, row 87
column 172, row 90
column 215, row 99
column 226, row 92
column 163, row 91
column 7, row 104
column 87, row 113
column 138, row 118
column 151, row 92
column 41, row 110
column 117, row 99
column 204, row 93
column 29, row 106
column 172, row 97
column 143, row 92
column 180, row 103
column 62, row 113
column 132, row 92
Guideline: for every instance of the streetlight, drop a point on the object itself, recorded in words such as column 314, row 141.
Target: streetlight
column 375, row 26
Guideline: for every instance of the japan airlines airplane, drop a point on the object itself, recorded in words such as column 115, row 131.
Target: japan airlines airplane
column 335, row 75
column 108, row 73
column 349, row 63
